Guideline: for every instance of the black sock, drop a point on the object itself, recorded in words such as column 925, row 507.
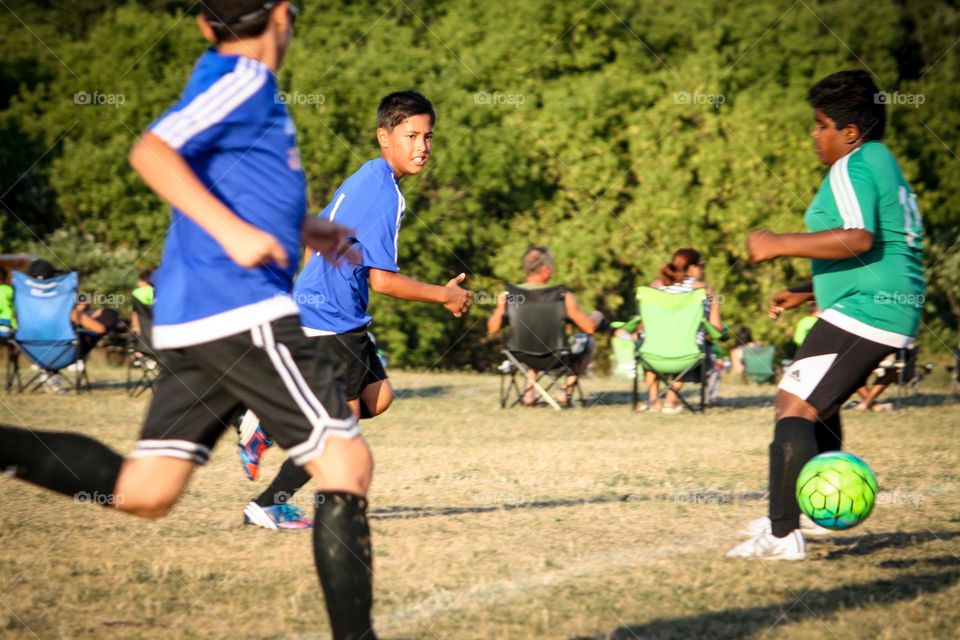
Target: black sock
column 67, row 463
column 287, row 482
column 829, row 434
column 341, row 548
column 794, row 443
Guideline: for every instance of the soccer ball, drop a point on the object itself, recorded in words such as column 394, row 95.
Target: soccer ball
column 836, row 490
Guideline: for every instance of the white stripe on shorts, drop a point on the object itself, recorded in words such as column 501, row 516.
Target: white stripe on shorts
column 803, row 376
column 182, row 449
column 323, row 426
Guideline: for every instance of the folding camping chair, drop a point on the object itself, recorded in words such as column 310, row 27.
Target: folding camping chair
column 144, row 366
column 758, row 363
column 537, row 343
column 669, row 347
column 45, row 333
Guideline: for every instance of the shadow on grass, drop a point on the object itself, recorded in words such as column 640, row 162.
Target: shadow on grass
column 814, row 604
column 941, row 561
column 873, row 542
column 613, row 398
column 424, row 392
column 680, row 497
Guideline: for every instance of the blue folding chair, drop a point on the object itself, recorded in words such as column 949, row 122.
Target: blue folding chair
column 45, row 334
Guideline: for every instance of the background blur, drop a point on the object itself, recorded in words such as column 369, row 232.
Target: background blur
column 615, row 131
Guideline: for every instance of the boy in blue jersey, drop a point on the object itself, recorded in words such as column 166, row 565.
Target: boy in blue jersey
column 865, row 241
column 333, row 298
column 225, row 157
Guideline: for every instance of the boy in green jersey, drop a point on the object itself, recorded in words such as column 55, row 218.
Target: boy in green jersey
column 866, row 242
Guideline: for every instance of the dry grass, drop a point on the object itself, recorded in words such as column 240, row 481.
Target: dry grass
column 504, row 524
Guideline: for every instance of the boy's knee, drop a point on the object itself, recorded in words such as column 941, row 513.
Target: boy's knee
column 152, row 507
column 346, row 465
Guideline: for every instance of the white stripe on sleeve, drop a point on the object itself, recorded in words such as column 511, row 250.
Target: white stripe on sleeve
column 846, row 198
column 213, row 105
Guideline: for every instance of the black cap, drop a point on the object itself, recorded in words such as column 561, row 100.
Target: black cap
column 41, row 269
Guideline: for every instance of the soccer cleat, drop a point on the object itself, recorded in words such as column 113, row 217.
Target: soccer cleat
column 807, row 527
column 253, row 442
column 277, row 516
column 767, row 546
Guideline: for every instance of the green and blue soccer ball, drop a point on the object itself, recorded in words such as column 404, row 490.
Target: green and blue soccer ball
column 837, row 490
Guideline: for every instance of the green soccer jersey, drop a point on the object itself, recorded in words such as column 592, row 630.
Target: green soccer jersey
column 879, row 294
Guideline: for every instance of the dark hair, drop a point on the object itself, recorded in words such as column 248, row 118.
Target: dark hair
column 744, row 336
column 108, row 317
column 237, row 19
column 535, row 258
column 41, row 269
column 676, row 270
column 145, row 275
column 400, row 105
column 4, row 274
column 851, row 97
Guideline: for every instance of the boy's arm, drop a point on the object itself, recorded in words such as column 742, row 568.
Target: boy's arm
column 456, row 300
column 495, row 321
column 585, row 323
column 168, row 174
column 832, row 244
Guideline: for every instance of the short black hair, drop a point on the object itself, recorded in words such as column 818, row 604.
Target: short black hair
column 145, row 275
column 851, row 97
column 237, row 19
column 400, row 105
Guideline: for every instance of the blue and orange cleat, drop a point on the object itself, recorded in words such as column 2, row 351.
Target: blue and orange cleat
column 253, row 442
column 277, row 516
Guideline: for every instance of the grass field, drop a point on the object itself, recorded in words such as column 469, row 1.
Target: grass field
column 524, row 523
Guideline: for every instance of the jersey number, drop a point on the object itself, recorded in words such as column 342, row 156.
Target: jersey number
column 912, row 222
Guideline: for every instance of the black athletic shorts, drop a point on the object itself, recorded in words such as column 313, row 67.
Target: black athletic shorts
column 354, row 358
column 273, row 369
column 831, row 365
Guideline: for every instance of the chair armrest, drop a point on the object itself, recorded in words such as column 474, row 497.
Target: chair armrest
column 629, row 325
column 716, row 334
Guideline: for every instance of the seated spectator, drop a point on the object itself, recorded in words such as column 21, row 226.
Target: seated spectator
column 8, row 322
column 143, row 294
column 684, row 273
column 91, row 324
column 538, row 270
column 803, row 327
column 886, row 374
column 744, row 338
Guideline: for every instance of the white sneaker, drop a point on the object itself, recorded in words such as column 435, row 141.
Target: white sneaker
column 248, row 426
column 769, row 547
column 762, row 525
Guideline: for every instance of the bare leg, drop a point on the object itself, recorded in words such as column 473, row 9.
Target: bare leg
column 149, row 487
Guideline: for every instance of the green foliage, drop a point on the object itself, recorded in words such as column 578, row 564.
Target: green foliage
column 614, row 132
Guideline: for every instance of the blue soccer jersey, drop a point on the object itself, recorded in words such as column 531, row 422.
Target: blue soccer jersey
column 241, row 143
column 334, row 299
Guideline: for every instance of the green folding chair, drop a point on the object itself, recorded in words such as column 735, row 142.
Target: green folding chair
column 758, row 363
column 669, row 348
